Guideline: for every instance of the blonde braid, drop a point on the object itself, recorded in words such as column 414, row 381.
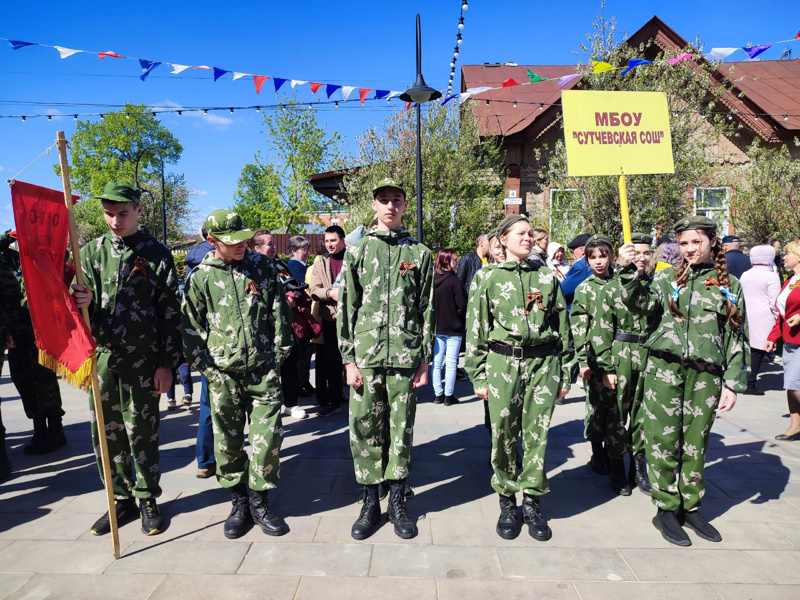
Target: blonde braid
column 681, row 276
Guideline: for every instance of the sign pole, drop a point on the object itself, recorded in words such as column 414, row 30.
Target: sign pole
column 623, row 207
column 98, row 409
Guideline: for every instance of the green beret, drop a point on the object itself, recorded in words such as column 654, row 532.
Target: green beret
column 120, row 192
column 508, row 221
column 227, row 227
column 641, row 238
column 387, row 182
column 599, row 237
column 696, row 222
column 491, row 235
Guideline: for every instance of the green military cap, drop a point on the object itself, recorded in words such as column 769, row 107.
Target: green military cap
column 599, row 237
column 387, row 182
column 120, row 192
column 696, row 222
column 491, row 235
column 227, row 227
column 641, row 238
column 508, row 221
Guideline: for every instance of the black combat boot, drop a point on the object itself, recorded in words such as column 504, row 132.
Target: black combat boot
column 619, row 480
column 403, row 527
column 599, row 462
column 532, row 515
column 694, row 521
column 39, row 435
column 667, row 523
column 270, row 523
column 55, row 437
column 239, row 521
column 152, row 521
column 642, row 480
column 507, row 525
column 370, row 516
column 5, row 464
column 126, row 512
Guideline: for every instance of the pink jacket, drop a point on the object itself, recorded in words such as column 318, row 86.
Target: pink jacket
column 761, row 286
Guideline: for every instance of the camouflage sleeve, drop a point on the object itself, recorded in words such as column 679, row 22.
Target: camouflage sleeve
column 168, row 313
column 560, row 317
column 737, row 347
column 427, row 308
column 282, row 314
column 603, row 333
column 640, row 299
column 580, row 319
column 10, row 304
column 478, row 327
column 193, row 318
column 348, row 304
column 90, row 275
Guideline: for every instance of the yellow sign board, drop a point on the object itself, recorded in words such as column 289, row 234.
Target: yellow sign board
column 617, row 133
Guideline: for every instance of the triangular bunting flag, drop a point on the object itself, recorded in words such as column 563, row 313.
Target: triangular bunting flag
column 408, row 105
column 296, row 82
column 393, row 94
column 219, row 73
column 534, row 77
column 16, row 44
column 362, row 94
column 450, row 97
column 510, row 82
column 635, row 62
column 599, row 66
column 259, row 81
column 754, row 51
column 147, row 67
column 278, row 82
column 381, row 94
column 567, row 78
column 473, row 91
column 178, row 68
column 238, row 75
column 679, row 58
column 205, row 67
column 329, row 89
column 315, row 87
column 797, row 37
column 719, row 53
column 110, row 54
column 66, row 52
column 346, row 91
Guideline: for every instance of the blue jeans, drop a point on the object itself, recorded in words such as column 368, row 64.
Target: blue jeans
column 445, row 352
column 205, row 435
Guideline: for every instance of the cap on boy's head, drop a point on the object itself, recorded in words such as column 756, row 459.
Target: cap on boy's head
column 579, row 241
column 508, row 221
column 599, row 237
column 664, row 240
column 227, row 227
column 728, row 239
column 387, row 183
column 120, row 192
column 696, row 222
column 641, row 238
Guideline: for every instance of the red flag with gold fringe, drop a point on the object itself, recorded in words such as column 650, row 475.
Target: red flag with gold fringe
column 65, row 343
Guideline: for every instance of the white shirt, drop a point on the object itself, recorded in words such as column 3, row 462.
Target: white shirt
column 781, row 301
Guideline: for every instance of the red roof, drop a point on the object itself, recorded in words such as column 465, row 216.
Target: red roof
column 773, row 85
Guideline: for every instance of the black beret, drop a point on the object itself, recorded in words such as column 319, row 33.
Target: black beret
column 579, row 241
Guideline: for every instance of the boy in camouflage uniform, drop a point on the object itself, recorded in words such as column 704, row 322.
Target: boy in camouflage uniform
column 386, row 337
column 698, row 360
column 236, row 324
column 591, row 325
column 622, row 359
column 517, row 358
column 132, row 295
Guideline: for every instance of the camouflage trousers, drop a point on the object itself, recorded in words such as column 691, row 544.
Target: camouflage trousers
column 130, row 411
column 522, row 394
column 631, row 358
column 680, row 400
column 385, row 405
column 603, row 421
column 257, row 395
column 37, row 385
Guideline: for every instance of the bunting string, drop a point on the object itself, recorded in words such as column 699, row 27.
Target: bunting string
column 456, row 51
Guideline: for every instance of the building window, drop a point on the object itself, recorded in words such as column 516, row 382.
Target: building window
column 334, row 221
column 712, row 202
column 566, row 221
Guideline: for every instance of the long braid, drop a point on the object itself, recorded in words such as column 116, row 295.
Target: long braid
column 721, row 264
column 681, row 276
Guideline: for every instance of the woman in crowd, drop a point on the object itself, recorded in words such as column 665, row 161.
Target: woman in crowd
column 518, row 332
column 761, row 286
column 497, row 252
column 557, row 260
column 451, row 310
column 787, row 328
column 538, row 253
column 776, row 266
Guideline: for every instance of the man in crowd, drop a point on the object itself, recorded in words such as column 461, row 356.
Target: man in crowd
column 579, row 269
column 299, row 248
column 737, row 261
column 472, row 262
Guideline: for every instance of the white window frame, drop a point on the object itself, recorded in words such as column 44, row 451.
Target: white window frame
column 721, row 214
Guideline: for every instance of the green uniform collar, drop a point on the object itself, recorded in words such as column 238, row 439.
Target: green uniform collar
column 391, row 235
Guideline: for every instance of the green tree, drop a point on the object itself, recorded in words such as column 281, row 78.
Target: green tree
column 462, row 178
column 275, row 191
column 126, row 146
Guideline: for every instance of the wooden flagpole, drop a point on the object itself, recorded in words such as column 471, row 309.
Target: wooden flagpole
column 98, row 409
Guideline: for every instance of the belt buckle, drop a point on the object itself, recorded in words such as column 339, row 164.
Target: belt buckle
column 521, row 352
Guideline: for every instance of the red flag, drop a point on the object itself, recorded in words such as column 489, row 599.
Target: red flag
column 362, row 94
column 259, row 81
column 797, row 37
column 510, row 82
column 110, row 53
column 65, row 343
column 315, row 87
column 408, row 105
column 203, row 67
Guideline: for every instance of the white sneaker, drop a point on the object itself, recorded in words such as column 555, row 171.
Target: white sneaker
column 298, row 412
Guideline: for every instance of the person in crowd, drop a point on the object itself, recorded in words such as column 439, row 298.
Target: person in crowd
column 698, row 361
column 386, row 336
column 184, row 374
column 10, row 308
column 737, row 262
column 579, row 269
column 451, row 308
column 787, row 329
column 622, row 360
column 497, row 251
column 538, row 253
column 131, row 292
column 324, row 273
column 761, row 286
column 778, row 264
column 665, row 239
column 516, row 342
column 299, row 248
column 237, row 331
column 666, row 255
column 591, row 319
column 557, row 260
column 472, row 262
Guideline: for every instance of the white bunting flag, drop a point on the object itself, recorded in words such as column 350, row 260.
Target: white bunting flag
column 66, row 52
column 238, row 75
column 296, row 82
column 720, row 53
column 178, row 68
column 346, row 91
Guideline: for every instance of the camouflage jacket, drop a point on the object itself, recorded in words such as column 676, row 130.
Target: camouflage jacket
column 590, row 317
column 499, row 297
column 703, row 336
column 235, row 316
column 386, row 302
column 135, row 307
column 11, row 311
column 621, row 320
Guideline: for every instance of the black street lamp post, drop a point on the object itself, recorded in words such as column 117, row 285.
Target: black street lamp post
column 418, row 93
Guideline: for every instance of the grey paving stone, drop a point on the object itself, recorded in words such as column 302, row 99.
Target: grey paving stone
column 52, row 526
column 781, row 567
column 790, row 531
column 764, row 512
column 337, row 530
column 564, row 564
column 737, row 591
column 91, row 556
column 181, row 557
column 693, row 566
column 307, row 559
column 240, row 587
column 434, row 561
column 459, row 532
column 634, row 590
column 571, row 533
column 301, row 529
column 461, row 589
column 742, row 536
column 178, row 527
column 88, row 587
column 366, row 588
column 11, row 582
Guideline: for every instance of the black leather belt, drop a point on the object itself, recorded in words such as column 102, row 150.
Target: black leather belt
column 537, row 351
column 629, row 337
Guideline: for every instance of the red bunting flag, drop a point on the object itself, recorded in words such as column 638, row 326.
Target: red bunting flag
column 65, row 343
column 510, row 82
column 111, row 54
column 797, row 37
column 315, row 87
column 408, row 105
column 362, row 94
column 259, row 81
column 203, row 67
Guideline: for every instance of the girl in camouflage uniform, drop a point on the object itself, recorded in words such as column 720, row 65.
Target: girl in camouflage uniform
column 698, row 361
column 517, row 330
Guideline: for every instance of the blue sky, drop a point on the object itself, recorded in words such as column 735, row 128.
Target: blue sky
column 360, row 43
